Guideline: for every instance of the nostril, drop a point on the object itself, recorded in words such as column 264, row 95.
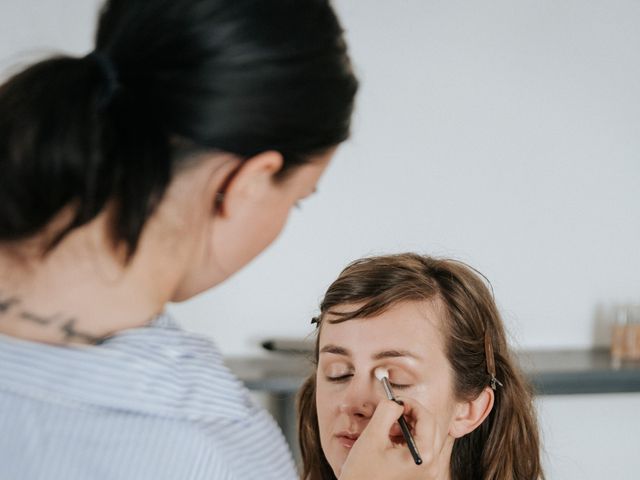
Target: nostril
column 365, row 410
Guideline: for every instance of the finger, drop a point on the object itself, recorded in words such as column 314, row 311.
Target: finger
column 426, row 432
column 415, row 413
column 411, row 408
column 385, row 416
column 396, row 433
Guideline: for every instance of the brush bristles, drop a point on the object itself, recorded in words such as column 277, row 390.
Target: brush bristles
column 381, row 373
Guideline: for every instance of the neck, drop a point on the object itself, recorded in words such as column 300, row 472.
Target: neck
column 80, row 292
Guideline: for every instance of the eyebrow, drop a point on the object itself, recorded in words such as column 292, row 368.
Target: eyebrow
column 337, row 350
column 395, row 354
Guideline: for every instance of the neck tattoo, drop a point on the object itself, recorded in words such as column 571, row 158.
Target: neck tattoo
column 64, row 324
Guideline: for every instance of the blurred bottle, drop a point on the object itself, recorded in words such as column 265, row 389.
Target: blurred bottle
column 633, row 332
column 619, row 334
column 625, row 336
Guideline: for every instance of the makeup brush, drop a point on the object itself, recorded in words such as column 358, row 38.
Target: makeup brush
column 382, row 374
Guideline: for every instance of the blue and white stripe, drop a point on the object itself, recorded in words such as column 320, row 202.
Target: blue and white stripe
column 149, row 403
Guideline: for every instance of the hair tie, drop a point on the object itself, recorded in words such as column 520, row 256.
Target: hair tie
column 109, row 74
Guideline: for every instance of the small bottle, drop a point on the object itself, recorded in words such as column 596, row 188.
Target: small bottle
column 632, row 340
column 619, row 335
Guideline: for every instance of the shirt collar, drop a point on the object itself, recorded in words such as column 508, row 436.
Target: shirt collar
column 156, row 369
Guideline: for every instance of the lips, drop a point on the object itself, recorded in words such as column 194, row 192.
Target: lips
column 347, row 439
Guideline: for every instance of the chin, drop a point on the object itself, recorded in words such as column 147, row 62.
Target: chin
column 337, row 468
column 336, row 464
column 197, row 283
column 186, row 292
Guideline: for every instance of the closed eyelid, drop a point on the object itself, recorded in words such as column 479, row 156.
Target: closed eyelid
column 399, row 374
column 338, row 365
column 336, row 371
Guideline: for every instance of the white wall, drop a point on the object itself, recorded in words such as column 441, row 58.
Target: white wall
column 31, row 28
column 505, row 133
column 591, row 437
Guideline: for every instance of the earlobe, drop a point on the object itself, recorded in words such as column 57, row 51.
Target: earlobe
column 470, row 414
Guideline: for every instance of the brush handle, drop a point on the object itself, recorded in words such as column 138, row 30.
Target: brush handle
column 406, row 433
column 387, row 389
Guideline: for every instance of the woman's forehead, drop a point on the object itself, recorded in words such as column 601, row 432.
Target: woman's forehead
column 406, row 327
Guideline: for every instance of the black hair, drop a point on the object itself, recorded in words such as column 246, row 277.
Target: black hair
column 240, row 76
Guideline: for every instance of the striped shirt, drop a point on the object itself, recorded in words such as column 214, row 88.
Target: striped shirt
column 151, row 403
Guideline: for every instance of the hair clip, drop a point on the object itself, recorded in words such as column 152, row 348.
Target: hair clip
column 495, row 383
column 315, row 320
column 491, row 361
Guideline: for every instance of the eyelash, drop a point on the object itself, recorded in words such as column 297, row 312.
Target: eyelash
column 344, row 378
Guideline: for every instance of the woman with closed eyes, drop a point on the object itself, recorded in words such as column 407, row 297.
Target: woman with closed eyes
column 434, row 326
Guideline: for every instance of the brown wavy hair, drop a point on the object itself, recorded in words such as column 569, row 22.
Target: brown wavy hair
column 506, row 446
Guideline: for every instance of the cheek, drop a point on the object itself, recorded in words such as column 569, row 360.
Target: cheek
column 277, row 224
column 437, row 398
column 325, row 406
column 267, row 227
column 259, row 232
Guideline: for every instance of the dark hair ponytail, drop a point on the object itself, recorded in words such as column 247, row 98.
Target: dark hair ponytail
column 241, row 76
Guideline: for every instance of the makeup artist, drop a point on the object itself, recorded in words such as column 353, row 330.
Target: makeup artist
column 145, row 172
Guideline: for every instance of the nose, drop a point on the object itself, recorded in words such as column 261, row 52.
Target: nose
column 360, row 397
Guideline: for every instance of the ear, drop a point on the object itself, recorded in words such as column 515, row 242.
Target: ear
column 251, row 181
column 468, row 415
